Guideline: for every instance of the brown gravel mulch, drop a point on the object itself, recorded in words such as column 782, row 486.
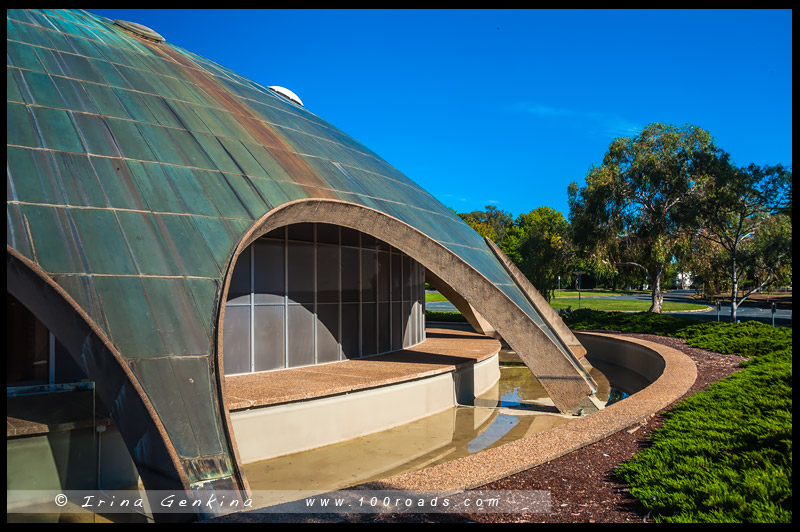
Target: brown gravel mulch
column 581, row 484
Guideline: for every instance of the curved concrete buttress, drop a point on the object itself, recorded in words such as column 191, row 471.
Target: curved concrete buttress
column 566, row 382
column 548, row 314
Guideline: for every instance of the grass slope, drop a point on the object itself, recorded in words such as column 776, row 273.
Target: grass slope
column 724, row 454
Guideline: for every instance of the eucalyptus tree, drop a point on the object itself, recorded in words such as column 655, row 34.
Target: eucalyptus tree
column 538, row 243
column 743, row 213
column 629, row 214
column 492, row 222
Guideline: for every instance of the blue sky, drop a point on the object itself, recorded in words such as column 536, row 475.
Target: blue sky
column 507, row 107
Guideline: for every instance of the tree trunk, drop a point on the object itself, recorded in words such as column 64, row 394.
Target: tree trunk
column 734, row 290
column 658, row 295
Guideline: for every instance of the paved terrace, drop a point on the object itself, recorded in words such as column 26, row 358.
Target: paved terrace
column 443, row 351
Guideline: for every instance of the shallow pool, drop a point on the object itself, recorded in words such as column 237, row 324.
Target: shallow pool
column 515, row 407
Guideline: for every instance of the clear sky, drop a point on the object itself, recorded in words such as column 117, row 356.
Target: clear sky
column 507, row 107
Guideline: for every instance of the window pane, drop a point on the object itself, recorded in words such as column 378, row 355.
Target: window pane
column 350, row 286
column 369, row 342
column 383, row 276
column 414, row 280
column 350, row 237
column 236, row 340
column 268, row 337
column 303, row 232
column 350, row 330
column 328, row 234
column 239, row 289
column 416, row 310
column 421, row 334
column 397, row 326
column 397, row 279
column 407, row 339
column 327, row 332
column 367, row 241
column 301, row 335
column 268, row 271
column 279, row 233
column 327, row 274
column 420, row 282
column 384, row 339
column 406, row 278
column 369, row 280
column 301, row 272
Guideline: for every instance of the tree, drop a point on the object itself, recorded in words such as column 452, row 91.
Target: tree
column 482, row 228
column 492, row 223
column 628, row 212
column 742, row 212
column 538, row 243
column 768, row 261
column 705, row 260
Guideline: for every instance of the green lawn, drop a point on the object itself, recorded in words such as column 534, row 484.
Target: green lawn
column 599, row 304
column 434, row 296
column 596, row 292
column 622, row 305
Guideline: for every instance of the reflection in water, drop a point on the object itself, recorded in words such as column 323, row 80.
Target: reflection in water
column 451, row 434
column 501, row 426
column 625, row 381
column 616, row 396
column 515, row 407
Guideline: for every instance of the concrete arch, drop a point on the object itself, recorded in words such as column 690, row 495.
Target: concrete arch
column 118, row 390
column 568, row 385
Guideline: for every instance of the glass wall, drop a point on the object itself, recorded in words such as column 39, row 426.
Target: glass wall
column 34, row 356
column 314, row 293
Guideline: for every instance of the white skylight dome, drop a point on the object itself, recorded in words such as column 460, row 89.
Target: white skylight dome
column 286, row 93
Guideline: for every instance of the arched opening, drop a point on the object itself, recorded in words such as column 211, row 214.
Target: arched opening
column 565, row 381
column 58, row 435
column 64, row 345
column 315, row 293
column 551, row 361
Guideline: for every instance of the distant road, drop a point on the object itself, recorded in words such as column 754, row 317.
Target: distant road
column 744, row 313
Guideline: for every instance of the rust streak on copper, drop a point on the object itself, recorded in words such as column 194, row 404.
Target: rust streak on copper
column 294, row 164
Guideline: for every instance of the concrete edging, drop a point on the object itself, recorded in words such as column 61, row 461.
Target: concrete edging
column 490, row 465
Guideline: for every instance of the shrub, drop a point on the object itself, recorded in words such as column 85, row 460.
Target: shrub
column 746, row 339
column 724, row 454
column 444, row 315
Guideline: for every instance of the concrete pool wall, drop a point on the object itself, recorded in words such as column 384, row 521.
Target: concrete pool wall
column 676, row 377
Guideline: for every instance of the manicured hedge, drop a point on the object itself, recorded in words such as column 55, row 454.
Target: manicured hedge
column 444, row 315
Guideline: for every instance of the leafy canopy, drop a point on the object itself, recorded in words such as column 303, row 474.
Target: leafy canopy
column 629, row 212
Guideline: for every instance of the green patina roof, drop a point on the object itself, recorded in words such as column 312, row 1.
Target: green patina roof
column 134, row 168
